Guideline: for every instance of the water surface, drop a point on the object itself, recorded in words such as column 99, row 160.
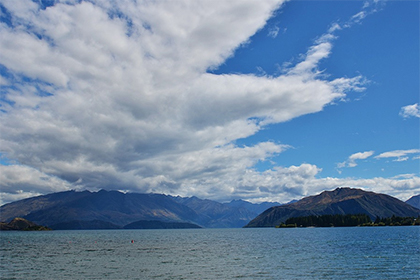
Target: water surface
column 252, row 253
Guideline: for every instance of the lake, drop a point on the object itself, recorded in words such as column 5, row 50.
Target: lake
column 251, row 253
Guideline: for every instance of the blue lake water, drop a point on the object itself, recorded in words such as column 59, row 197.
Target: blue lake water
column 252, row 253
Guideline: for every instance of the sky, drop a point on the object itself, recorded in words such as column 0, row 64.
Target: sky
column 256, row 100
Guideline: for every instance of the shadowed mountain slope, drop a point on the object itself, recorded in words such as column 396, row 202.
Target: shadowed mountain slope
column 107, row 206
column 215, row 214
column 339, row 201
column 414, row 201
column 113, row 209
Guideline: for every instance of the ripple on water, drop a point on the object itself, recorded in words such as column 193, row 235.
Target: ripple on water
column 333, row 253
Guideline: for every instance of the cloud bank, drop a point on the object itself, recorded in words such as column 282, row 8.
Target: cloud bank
column 117, row 95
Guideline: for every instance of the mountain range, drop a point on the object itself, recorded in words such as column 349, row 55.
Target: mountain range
column 114, row 209
column 340, row 201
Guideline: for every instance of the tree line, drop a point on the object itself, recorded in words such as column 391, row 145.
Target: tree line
column 348, row 220
column 397, row 221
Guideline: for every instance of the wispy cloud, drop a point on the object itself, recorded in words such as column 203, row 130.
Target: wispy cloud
column 368, row 8
column 273, row 31
column 399, row 155
column 351, row 161
column 410, row 111
column 357, row 18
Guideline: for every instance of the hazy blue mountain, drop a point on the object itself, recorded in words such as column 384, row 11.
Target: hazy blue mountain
column 106, row 206
column 252, row 207
column 113, row 209
column 214, row 214
column 24, row 207
column 414, row 201
column 339, row 201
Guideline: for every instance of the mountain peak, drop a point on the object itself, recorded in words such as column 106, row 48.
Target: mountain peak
column 327, row 197
column 338, row 201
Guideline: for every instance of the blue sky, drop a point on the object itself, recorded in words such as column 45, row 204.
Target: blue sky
column 383, row 48
column 258, row 100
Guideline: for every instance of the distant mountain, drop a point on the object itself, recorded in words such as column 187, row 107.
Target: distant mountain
column 106, row 206
column 24, row 207
column 113, row 209
column 339, row 201
column 217, row 215
column 414, row 201
column 254, row 208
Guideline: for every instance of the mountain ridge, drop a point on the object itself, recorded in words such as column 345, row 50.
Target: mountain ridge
column 414, row 201
column 114, row 209
column 338, row 201
column 108, row 208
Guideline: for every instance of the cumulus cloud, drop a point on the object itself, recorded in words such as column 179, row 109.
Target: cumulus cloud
column 117, row 95
column 402, row 188
column 285, row 184
column 19, row 182
column 351, row 161
column 410, row 111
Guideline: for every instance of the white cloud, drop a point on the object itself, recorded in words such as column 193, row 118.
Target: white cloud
column 351, row 161
column 280, row 184
column 273, row 32
column 401, row 159
column 285, row 184
column 357, row 18
column 18, row 182
column 410, row 111
column 335, row 26
column 362, row 155
column 4, row 81
column 402, row 188
column 116, row 95
column 368, row 8
column 400, row 155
